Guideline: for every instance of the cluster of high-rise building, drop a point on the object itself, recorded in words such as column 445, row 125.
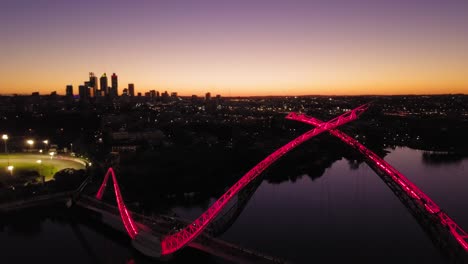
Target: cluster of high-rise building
column 93, row 88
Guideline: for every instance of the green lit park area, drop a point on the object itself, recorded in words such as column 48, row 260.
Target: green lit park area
column 30, row 168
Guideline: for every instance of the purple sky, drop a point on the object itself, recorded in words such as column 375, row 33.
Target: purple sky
column 229, row 45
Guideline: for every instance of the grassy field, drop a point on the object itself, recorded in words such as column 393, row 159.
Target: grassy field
column 23, row 162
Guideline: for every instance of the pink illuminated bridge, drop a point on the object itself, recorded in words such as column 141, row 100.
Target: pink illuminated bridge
column 412, row 190
column 171, row 243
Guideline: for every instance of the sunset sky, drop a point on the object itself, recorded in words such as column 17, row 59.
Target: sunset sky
column 241, row 47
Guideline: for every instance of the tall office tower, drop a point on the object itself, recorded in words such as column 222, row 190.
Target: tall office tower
column 88, row 89
column 103, row 84
column 115, row 86
column 93, row 84
column 153, row 94
column 83, row 92
column 131, row 89
column 165, row 96
column 91, row 92
column 69, row 91
column 208, row 96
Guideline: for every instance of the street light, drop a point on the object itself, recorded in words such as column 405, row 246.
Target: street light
column 30, row 143
column 40, row 166
column 51, row 154
column 46, row 142
column 5, row 138
column 10, row 169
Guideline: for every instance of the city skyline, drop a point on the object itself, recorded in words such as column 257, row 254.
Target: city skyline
column 245, row 48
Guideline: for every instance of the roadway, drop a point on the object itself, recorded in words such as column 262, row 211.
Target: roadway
column 159, row 226
column 34, row 201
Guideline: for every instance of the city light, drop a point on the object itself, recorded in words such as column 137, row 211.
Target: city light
column 40, row 166
column 30, row 142
column 46, row 142
column 5, row 138
column 10, row 169
column 51, row 154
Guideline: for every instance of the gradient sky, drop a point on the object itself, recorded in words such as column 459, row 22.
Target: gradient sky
column 241, row 47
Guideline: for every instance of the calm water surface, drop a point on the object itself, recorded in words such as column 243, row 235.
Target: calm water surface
column 346, row 214
column 349, row 214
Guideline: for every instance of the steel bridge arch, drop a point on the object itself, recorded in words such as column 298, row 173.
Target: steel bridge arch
column 173, row 242
column 405, row 184
column 127, row 219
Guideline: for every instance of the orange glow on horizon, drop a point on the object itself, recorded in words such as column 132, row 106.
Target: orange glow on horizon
column 275, row 84
column 299, row 71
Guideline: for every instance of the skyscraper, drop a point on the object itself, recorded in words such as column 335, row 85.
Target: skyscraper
column 165, row 96
column 91, row 92
column 131, row 89
column 208, row 96
column 93, row 84
column 83, row 92
column 114, row 88
column 104, row 86
column 69, row 91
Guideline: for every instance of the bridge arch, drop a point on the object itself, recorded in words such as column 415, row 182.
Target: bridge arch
column 127, row 220
column 173, row 242
column 398, row 178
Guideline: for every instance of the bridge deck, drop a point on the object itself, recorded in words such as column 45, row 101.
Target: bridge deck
column 162, row 225
column 35, row 201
